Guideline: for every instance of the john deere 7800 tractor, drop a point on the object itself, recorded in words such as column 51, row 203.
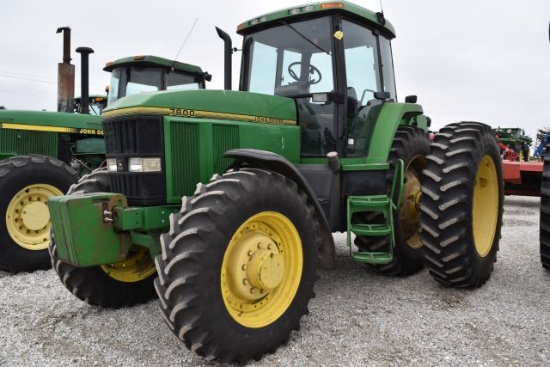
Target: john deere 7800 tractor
column 43, row 153
column 225, row 202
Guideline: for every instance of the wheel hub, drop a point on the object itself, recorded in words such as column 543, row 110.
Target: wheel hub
column 265, row 269
column 28, row 218
column 261, row 266
column 35, row 216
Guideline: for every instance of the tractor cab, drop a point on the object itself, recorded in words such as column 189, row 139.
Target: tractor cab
column 137, row 74
column 337, row 67
column 96, row 104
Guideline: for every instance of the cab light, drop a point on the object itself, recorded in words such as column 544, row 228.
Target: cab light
column 144, row 164
column 111, row 165
column 303, row 9
column 332, row 5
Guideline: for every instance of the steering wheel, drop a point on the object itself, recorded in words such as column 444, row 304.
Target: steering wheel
column 312, row 70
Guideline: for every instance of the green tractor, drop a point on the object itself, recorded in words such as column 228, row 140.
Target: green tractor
column 225, row 202
column 43, row 153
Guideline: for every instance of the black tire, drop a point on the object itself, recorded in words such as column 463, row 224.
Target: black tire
column 26, row 182
column 113, row 285
column 545, row 211
column 200, row 265
column 462, row 205
column 411, row 145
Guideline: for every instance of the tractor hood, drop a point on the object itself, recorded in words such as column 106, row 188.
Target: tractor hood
column 63, row 122
column 211, row 104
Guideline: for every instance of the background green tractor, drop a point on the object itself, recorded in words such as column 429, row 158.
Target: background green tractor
column 226, row 201
column 43, row 153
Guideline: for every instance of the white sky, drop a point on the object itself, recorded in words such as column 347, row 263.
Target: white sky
column 482, row 60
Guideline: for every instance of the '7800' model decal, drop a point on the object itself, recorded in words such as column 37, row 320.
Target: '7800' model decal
column 190, row 113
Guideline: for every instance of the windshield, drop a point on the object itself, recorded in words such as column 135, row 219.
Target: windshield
column 294, row 60
column 126, row 81
column 296, row 54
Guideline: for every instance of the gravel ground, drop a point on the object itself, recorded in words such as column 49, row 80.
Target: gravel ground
column 357, row 319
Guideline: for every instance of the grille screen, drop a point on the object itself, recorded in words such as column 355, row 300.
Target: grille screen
column 136, row 137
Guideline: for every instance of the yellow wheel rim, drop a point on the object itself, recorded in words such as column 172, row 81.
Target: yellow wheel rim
column 409, row 212
column 28, row 218
column 138, row 266
column 485, row 206
column 261, row 269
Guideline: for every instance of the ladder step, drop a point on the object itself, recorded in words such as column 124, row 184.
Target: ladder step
column 370, row 203
column 371, row 230
column 372, row 257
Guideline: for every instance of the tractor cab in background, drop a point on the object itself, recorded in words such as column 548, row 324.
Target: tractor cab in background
column 96, row 104
column 137, row 74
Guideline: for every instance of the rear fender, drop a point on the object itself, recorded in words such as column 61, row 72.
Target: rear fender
column 390, row 118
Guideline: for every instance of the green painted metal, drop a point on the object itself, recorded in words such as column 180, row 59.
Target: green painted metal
column 195, row 148
column 344, row 7
column 82, row 235
column 153, row 218
column 22, row 142
column 391, row 116
column 90, row 146
column 112, row 223
column 152, row 61
column 384, row 204
column 51, row 121
column 230, row 105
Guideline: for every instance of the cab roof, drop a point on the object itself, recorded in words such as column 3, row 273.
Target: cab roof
column 345, row 7
column 152, row 61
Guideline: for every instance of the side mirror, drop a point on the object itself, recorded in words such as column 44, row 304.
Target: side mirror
column 411, row 99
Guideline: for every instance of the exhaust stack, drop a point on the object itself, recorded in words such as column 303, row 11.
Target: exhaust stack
column 65, row 75
column 85, row 75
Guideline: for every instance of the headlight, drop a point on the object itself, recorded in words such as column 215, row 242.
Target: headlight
column 111, row 165
column 144, row 165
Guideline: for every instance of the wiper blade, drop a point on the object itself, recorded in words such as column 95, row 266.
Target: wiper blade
column 307, row 39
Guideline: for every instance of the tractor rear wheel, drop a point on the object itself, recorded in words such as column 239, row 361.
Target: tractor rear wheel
column 26, row 183
column 462, row 205
column 112, row 285
column 411, row 145
column 238, row 265
column 545, row 212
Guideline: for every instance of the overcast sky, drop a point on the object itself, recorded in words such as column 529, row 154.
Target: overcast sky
column 483, row 60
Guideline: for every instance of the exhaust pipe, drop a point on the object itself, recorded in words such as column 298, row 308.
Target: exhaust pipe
column 228, row 51
column 85, row 74
column 65, row 75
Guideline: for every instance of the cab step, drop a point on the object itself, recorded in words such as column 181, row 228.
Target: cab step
column 383, row 204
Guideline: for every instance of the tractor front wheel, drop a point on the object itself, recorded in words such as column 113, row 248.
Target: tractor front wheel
column 26, row 183
column 238, row 265
column 111, row 285
column 462, row 205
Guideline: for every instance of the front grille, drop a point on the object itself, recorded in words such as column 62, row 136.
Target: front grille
column 133, row 135
column 21, row 142
column 136, row 137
